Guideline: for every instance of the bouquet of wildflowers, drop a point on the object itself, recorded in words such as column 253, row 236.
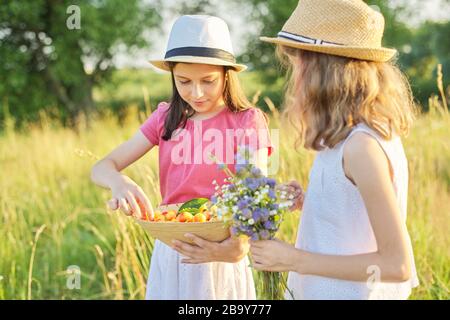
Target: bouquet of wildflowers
column 252, row 205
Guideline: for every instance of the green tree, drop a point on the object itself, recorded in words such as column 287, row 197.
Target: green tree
column 421, row 47
column 428, row 47
column 44, row 60
column 270, row 16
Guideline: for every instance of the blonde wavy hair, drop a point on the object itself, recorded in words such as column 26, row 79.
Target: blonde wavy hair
column 328, row 95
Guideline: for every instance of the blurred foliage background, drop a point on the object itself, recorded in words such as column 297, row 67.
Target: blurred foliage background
column 65, row 101
column 70, row 75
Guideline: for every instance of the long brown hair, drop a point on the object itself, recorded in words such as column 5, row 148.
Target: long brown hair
column 179, row 110
column 328, row 95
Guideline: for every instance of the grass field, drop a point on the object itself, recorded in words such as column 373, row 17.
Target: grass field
column 54, row 217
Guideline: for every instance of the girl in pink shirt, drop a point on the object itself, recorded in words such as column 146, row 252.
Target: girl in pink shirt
column 207, row 115
column 185, row 170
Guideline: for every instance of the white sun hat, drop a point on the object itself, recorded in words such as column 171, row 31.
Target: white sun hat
column 199, row 39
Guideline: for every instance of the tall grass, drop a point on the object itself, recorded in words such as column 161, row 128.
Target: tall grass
column 53, row 217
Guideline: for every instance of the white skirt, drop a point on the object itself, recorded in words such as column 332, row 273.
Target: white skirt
column 169, row 279
column 309, row 287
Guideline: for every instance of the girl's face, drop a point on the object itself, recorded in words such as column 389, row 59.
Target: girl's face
column 200, row 85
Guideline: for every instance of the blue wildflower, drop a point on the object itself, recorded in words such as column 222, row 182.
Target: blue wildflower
column 271, row 182
column 245, row 229
column 256, row 171
column 242, row 204
column 247, row 213
column 257, row 215
column 240, row 168
column 264, row 235
column 254, row 237
column 265, row 214
column 251, row 183
column 272, row 194
column 269, row 225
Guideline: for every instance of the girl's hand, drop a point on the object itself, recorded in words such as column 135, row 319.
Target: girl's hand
column 273, row 255
column 293, row 188
column 230, row 250
column 130, row 198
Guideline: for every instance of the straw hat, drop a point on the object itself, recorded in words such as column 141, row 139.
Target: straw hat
column 199, row 39
column 348, row 28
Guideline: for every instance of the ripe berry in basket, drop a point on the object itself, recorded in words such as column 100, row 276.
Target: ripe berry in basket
column 159, row 217
column 170, row 215
column 200, row 217
column 185, row 217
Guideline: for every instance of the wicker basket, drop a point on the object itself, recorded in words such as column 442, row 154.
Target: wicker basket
column 167, row 231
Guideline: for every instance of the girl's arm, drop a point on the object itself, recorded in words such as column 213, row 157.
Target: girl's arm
column 106, row 173
column 367, row 166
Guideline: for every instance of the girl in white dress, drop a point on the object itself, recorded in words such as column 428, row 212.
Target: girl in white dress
column 351, row 105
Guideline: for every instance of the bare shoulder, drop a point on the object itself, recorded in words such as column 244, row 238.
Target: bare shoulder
column 363, row 155
column 361, row 144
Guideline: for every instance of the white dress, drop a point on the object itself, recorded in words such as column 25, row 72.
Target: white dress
column 335, row 222
column 169, row 279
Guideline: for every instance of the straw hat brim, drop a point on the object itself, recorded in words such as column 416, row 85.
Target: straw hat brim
column 162, row 64
column 363, row 53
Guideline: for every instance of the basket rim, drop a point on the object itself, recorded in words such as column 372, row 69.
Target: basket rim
column 179, row 223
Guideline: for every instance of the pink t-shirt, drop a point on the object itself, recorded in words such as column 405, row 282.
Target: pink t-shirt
column 186, row 169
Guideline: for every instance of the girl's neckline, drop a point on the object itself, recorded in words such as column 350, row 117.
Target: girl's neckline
column 210, row 118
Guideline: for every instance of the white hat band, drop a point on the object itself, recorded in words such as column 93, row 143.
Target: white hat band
column 303, row 39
